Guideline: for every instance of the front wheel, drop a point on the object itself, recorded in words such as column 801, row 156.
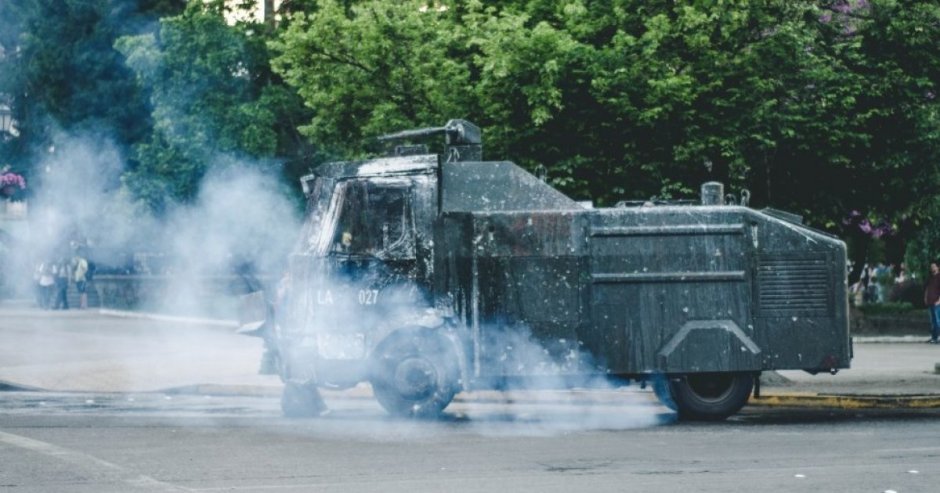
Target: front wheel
column 301, row 400
column 710, row 396
column 415, row 374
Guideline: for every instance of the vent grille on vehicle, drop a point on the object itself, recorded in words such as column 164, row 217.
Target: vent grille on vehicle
column 794, row 285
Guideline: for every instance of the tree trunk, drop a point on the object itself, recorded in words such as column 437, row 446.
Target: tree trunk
column 269, row 13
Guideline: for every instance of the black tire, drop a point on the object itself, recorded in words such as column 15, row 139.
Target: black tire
column 301, row 401
column 710, row 396
column 415, row 374
column 661, row 388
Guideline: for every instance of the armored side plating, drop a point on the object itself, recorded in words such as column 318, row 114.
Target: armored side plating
column 428, row 274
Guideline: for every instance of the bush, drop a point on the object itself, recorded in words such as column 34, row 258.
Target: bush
column 886, row 308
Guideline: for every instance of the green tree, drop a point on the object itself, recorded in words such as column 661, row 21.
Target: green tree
column 214, row 99
column 59, row 70
column 818, row 107
column 374, row 66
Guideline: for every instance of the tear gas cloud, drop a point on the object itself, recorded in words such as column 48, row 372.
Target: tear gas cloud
column 242, row 217
column 242, row 214
column 560, row 387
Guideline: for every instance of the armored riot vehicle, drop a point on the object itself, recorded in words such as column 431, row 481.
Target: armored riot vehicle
column 429, row 274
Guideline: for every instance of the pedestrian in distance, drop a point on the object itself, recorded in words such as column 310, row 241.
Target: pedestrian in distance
column 932, row 300
column 46, row 284
column 61, row 272
column 80, row 276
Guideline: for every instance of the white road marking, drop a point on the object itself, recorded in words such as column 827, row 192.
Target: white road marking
column 110, row 470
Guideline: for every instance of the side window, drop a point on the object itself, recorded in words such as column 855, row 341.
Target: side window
column 375, row 218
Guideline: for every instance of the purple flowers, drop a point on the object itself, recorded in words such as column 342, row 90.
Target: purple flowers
column 855, row 219
column 848, row 6
column 843, row 12
column 12, row 179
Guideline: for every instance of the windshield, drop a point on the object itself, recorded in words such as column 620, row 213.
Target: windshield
column 359, row 217
column 318, row 203
column 373, row 218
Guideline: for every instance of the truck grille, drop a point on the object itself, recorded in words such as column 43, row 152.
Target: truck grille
column 794, row 285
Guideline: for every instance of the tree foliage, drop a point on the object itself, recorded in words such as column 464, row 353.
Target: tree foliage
column 59, row 70
column 386, row 66
column 213, row 97
column 817, row 107
column 820, row 107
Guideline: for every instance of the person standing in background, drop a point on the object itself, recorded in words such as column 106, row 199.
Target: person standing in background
column 80, row 276
column 932, row 300
column 46, row 283
column 61, row 272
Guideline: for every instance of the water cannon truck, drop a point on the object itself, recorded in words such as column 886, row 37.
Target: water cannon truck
column 427, row 274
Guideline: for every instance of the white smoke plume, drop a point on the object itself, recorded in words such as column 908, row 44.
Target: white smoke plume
column 243, row 217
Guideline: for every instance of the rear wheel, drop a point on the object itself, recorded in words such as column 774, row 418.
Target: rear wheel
column 661, row 388
column 415, row 374
column 709, row 396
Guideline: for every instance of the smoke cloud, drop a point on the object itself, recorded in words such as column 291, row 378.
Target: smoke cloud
column 243, row 215
column 243, row 218
column 557, row 387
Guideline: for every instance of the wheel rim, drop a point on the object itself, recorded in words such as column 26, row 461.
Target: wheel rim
column 414, row 374
column 711, row 387
column 415, row 378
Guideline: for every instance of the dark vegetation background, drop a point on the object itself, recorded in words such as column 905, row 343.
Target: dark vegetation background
column 827, row 109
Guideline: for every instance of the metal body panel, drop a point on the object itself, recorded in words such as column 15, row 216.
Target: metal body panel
column 662, row 289
column 517, row 277
column 654, row 271
column 497, row 186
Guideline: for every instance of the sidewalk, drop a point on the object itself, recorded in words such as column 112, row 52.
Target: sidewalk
column 125, row 352
column 883, row 375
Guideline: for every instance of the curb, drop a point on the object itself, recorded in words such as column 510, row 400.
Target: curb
column 225, row 390
column 802, row 400
column 837, row 401
column 6, row 386
column 783, row 399
column 888, row 339
column 168, row 318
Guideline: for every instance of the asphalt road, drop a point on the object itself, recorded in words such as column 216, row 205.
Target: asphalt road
column 113, row 436
column 66, row 442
